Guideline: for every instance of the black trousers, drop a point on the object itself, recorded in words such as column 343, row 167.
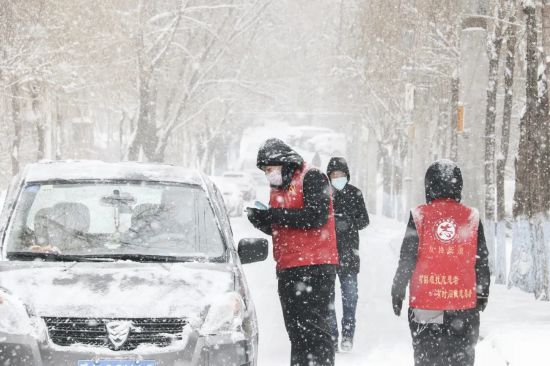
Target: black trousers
column 306, row 295
column 350, row 295
column 449, row 344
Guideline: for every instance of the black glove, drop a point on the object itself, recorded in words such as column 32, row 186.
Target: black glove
column 481, row 303
column 258, row 218
column 397, row 303
column 342, row 221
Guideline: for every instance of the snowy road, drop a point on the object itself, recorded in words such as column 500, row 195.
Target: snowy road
column 515, row 329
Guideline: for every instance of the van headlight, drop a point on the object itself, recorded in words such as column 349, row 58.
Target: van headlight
column 15, row 317
column 225, row 315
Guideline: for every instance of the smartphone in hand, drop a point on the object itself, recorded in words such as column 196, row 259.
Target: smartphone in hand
column 260, row 206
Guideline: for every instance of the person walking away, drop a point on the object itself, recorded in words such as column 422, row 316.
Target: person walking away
column 444, row 261
column 301, row 221
column 351, row 216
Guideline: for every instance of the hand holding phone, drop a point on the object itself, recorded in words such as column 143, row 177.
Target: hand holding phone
column 260, row 206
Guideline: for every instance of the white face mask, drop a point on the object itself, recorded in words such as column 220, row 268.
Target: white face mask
column 275, row 178
column 339, row 183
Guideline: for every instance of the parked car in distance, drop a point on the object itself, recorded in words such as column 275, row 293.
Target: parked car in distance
column 232, row 195
column 299, row 135
column 258, row 176
column 122, row 264
column 244, row 181
column 333, row 144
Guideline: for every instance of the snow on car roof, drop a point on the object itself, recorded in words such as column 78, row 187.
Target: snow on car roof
column 235, row 173
column 222, row 180
column 99, row 170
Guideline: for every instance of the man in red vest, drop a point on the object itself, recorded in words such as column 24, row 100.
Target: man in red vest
column 301, row 221
column 444, row 260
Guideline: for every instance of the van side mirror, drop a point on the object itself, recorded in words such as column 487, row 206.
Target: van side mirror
column 253, row 250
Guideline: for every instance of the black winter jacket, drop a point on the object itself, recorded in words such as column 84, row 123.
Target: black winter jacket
column 350, row 215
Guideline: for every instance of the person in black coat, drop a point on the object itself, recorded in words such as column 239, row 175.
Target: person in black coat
column 351, row 216
column 442, row 337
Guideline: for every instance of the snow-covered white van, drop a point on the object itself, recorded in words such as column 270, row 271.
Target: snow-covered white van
column 122, row 264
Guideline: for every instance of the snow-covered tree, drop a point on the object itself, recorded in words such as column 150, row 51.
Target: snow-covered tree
column 510, row 37
column 529, row 267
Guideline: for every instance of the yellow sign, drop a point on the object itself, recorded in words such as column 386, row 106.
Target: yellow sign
column 460, row 119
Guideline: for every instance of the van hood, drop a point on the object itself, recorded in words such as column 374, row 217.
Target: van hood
column 116, row 289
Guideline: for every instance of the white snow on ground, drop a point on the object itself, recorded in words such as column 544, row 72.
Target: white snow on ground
column 515, row 328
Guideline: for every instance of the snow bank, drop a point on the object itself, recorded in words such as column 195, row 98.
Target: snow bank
column 515, row 329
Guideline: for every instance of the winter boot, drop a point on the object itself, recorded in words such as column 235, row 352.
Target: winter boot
column 347, row 344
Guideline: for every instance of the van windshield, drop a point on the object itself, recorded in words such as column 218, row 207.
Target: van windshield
column 115, row 220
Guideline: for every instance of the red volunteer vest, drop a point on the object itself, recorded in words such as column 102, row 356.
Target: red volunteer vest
column 294, row 247
column 445, row 277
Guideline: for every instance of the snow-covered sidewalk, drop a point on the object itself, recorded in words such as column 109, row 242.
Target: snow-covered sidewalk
column 515, row 328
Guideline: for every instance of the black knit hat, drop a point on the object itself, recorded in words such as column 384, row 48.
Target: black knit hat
column 276, row 152
column 338, row 164
column 443, row 180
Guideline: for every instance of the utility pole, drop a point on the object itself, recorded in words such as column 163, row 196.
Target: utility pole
column 473, row 76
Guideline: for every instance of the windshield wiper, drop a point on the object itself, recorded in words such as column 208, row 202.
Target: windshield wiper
column 147, row 257
column 56, row 257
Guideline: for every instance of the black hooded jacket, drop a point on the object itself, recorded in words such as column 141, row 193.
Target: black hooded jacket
column 443, row 180
column 316, row 190
column 351, row 216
